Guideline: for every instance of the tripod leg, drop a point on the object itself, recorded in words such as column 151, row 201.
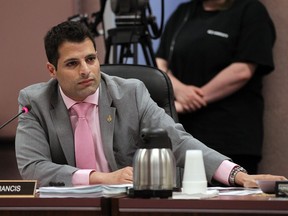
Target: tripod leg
column 108, row 47
column 125, row 52
column 135, row 53
column 152, row 55
column 123, row 49
column 146, row 44
column 147, row 59
column 115, row 49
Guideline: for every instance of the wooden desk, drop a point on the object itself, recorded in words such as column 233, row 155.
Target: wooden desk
column 54, row 206
column 222, row 205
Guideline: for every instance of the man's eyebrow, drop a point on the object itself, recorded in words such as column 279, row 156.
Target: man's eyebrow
column 75, row 59
column 92, row 54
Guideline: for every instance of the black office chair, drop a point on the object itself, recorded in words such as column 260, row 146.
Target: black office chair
column 156, row 81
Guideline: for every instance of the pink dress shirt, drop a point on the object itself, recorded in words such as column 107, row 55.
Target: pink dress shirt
column 81, row 177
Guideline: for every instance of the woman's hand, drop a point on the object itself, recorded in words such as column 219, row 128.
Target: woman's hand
column 189, row 98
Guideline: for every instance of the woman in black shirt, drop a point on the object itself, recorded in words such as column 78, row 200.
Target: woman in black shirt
column 216, row 53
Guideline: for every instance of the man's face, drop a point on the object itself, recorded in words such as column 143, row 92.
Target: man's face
column 78, row 69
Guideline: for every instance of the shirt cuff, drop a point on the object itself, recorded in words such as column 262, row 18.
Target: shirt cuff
column 223, row 172
column 81, row 177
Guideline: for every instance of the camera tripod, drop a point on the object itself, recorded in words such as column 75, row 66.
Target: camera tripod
column 127, row 37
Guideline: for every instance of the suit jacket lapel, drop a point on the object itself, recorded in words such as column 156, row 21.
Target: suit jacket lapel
column 60, row 118
column 106, row 119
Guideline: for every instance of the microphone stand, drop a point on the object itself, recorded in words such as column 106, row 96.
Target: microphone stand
column 3, row 125
column 25, row 109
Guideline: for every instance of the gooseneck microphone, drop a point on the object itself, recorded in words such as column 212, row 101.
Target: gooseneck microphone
column 25, row 109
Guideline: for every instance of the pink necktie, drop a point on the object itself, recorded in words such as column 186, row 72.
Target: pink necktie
column 84, row 145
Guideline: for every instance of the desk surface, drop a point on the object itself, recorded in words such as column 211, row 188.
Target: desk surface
column 228, row 205
column 222, row 205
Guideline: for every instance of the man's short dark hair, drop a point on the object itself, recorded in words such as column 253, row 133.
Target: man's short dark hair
column 68, row 31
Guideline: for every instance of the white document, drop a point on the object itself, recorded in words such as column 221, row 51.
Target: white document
column 218, row 191
column 84, row 191
column 237, row 191
column 208, row 194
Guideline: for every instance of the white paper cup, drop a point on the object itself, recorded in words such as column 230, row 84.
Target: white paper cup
column 194, row 178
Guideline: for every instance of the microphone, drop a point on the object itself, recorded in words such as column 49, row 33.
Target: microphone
column 25, row 109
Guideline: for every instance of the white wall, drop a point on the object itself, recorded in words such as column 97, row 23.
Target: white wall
column 22, row 57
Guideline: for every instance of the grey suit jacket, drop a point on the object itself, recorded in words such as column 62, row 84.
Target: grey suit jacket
column 45, row 141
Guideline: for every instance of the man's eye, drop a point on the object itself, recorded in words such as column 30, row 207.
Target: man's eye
column 71, row 64
column 91, row 59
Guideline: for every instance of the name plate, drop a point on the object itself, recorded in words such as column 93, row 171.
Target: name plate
column 17, row 188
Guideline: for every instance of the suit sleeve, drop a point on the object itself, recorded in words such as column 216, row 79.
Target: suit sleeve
column 33, row 151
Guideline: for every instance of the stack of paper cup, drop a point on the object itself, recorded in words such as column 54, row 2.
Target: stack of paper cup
column 194, row 179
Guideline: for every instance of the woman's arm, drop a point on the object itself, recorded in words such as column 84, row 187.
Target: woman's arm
column 228, row 81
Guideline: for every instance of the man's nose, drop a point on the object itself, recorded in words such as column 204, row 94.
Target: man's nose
column 84, row 69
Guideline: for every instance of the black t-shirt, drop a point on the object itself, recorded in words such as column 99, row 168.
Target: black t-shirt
column 204, row 45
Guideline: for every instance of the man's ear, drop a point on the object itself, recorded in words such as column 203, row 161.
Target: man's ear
column 51, row 69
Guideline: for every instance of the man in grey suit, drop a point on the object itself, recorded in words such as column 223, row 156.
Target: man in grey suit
column 45, row 135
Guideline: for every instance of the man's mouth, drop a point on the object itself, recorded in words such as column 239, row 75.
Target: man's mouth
column 86, row 81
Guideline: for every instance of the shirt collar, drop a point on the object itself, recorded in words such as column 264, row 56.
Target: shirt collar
column 93, row 99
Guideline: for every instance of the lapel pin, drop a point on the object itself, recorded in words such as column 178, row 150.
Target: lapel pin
column 109, row 118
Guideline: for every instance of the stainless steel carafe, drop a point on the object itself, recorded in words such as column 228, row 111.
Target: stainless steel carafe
column 154, row 166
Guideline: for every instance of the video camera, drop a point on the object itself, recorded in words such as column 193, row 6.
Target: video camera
column 134, row 12
column 127, row 13
column 134, row 25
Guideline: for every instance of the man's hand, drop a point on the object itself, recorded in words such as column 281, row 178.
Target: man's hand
column 121, row 176
column 249, row 181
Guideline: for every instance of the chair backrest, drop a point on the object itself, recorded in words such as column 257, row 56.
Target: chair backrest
column 156, row 81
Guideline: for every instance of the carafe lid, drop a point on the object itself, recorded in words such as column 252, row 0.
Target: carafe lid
column 155, row 138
